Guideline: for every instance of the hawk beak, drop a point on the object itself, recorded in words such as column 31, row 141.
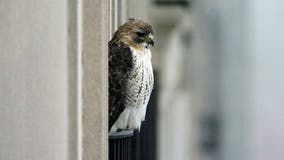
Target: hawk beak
column 151, row 42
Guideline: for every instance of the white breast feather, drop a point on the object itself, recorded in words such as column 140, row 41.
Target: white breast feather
column 134, row 113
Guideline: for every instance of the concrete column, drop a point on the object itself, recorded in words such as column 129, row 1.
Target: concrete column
column 33, row 80
column 95, row 37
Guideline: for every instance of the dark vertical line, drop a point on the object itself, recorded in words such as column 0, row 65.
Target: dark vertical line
column 72, row 46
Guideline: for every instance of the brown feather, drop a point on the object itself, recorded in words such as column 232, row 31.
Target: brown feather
column 121, row 64
column 127, row 32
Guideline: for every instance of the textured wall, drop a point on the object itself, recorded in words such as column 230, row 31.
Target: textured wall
column 33, row 80
column 95, row 35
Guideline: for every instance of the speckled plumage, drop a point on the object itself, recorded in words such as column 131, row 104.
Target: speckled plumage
column 130, row 75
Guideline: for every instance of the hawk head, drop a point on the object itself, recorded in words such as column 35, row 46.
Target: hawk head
column 135, row 33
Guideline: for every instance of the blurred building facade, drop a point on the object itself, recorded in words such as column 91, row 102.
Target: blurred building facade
column 222, row 86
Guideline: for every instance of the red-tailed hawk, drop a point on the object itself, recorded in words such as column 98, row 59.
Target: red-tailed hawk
column 130, row 75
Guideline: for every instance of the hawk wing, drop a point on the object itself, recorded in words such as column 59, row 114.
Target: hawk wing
column 120, row 66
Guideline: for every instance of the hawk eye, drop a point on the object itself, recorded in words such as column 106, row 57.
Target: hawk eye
column 141, row 34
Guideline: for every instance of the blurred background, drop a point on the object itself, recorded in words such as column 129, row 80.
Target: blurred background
column 221, row 78
column 219, row 66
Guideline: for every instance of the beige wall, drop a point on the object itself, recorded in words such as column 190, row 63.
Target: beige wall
column 53, row 63
column 33, row 80
column 95, row 33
